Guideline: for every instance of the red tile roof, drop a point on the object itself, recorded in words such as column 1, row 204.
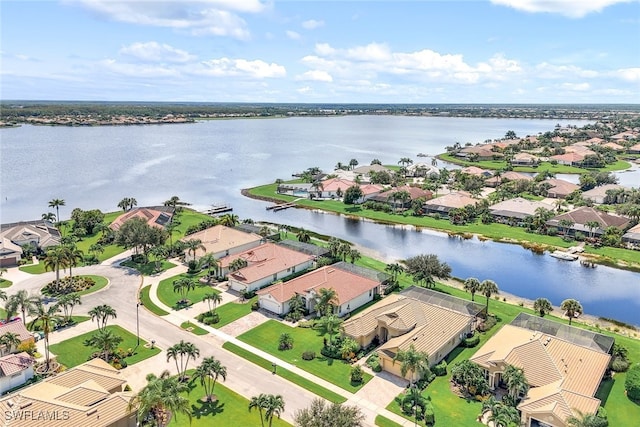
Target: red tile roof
column 265, row 260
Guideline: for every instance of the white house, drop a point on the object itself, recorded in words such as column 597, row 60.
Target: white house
column 15, row 370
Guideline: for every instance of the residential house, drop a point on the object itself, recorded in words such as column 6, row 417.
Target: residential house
column 15, row 327
column 444, row 204
column 299, row 189
column 634, row 149
column 598, row 194
column 495, row 181
column 615, row 147
column 569, row 159
column 15, row 370
column 524, row 159
column 157, row 216
column 265, row 264
column 367, row 169
column 632, row 237
column 483, row 152
column 580, row 217
column 560, row 188
column 413, row 192
column 580, row 149
column 221, row 241
column 39, row 234
column 430, row 321
column 334, row 188
column 421, row 169
column 10, row 253
column 563, row 366
column 474, row 170
column 514, row 211
column 92, row 394
column 354, row 287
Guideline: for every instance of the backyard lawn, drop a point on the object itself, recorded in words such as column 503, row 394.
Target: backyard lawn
column 231, row 409
column 73, row 352
column 232, row 311
column 266, row 336
column 171, row 298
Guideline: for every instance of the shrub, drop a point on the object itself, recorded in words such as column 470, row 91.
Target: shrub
column 308, row 355
column 429, row 414
column 357, row 375
column 488, row 323
column 193, row 266
column 306, row 324
column 374, row 363
column 440, row 369
column 255, row 306
column 619, row 365
column 68, row 285
column 285, row 342
column 471, row 342
column 28, row 347
column 632, row 383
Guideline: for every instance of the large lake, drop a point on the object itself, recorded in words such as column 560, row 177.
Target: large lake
column 209, row 162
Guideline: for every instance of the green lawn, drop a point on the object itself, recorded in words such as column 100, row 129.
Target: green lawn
column 37, row 325
column 4, row 283
column 170, row 298
column 233, row 311
column 195, row 329
column 33, row 268
column 230, row 409
column 385, row 422
column 73, row 352
column 149, row 268
column 185, row 219
column 286, row 374
column 148, row 304
column 101, row 282
column 265, row 337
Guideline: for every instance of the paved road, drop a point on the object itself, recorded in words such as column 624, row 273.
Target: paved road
column 243, row 377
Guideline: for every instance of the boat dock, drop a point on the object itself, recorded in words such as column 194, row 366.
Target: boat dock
column 218, row 209
column 281, row 206
column 566, row 256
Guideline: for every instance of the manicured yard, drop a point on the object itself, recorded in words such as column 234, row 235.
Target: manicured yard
column 149, row 268
column 385, row 422
column 266, row 336
column 185, row 219
column 195, row 329
column 284, row 373
column 233, row 311
column 171, row 298
column 148, row 304
column 37, row 325
column 4, row 283
column 231, row 409
column 100, row 281
column 73, row 352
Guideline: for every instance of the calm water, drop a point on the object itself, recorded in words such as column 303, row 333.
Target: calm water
column 209, row 162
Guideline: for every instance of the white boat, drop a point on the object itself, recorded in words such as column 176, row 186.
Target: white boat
column 564, row 255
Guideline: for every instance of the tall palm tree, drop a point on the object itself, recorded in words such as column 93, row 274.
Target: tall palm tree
column 74, row 257
column 49, row 216
column 46, row 317
column 542, row 306
column 329, row 325
column 208, row 373
column 488, row 288
column 516, row 381
column 258, row 402
column 67, row 302
column 354, row 255
column 412, row 360
column 326, row 300
column 162, row 395
column 184, row 351
column 572, row 308
column 211, row 263
column 105, row 341
column 10, row 340
column 182, row 286
column 274, row 405
column 592, row 226
column 101, row 314
column 56, row 203
column 56, row 259
column 584, row 420
column 193, row 245
column 212, row 299
column 22, row 301
column 472, row 285
column 303, row 236
column 395, row 269
column 229, row 220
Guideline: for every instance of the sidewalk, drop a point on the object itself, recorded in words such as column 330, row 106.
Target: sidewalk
column 369, row 409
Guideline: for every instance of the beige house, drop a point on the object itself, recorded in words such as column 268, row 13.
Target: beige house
column 10, row 253
column 443, row 204
column 221, row 241
column 579, row 218
column 560, row 188
column 155, row 216
column 495, row 181
column 38, row 234
column 514, row 211
column 15, row 327
column 431, row 321
column 563, row 366
column 91, row 394
column 599, row 193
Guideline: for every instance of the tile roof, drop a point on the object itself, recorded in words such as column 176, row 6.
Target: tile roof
column 347, row 285
column 14, row 363
column 585, row 214
column 220, row 238
column 561, row 187
column 452, row 200
column 41, row 232
column 153, row 217
column 16, row 327
column 265, row 260
column 414, row 193
column 600, row 191
column 518, row 207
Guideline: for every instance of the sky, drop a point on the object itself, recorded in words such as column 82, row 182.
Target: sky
column 473, row 51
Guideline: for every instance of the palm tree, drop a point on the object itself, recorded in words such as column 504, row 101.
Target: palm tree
column 211, row 263
column 208, row 373
column 101, row 314
column 10, row 340
column 542, row 306
column 22, row 301
column 49, row 216
column 183, row 351
column 238, row 264
column 105, row 341
column 572, row 308
column 488, row 288
column 73, row 257
column 329, row 325
column 274, row 405
column 592, row 225
column 162, row 395
column 229, row 220
column 472, row 285
column 56, row 258
column 354, row 255
column 47, row 317
column 325, row 301
column 258, row 402
column 303, row 236
column 395, row 269
column 584, row 420
column 353, row 163
column 566, row 224
column 212, row 299
column 411, row 360
column 192, row 245
column 516, row 381
column 124, row 204
column 56, row 203
column 182, row 286
column 67, row 302
column 297, row 306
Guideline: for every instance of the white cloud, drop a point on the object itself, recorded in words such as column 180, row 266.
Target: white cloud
column 203, row 17
column 315, row 75
column 551, row 71
column 569, row 8
column 138, row 70
column 156, row 52
column 312, row 24
column 293, row 35
column 629, row 74
column 240, row 67
column 578, row 87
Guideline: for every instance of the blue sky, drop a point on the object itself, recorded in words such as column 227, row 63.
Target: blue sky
column 476, row 51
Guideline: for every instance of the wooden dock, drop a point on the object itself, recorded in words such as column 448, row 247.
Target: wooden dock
column 280, row 207
column 218, row 209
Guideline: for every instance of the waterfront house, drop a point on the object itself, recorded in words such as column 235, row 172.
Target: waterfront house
column 421, row 169
column 514, row 211
column 334, row 188
column 354, row 287
column 431, row 321
column 524, row 159
column 38, row 234
column 496, row 181
column 157, row 216
column 367, row 169
column 10, row 253
column 569, row 159
column 221, row 241
column 480, row 152
column 560, row 188
column 266, row 263
column 580, row 217
column 92, row 394
column 444, row 204
column 474, row 170
column 632, row 237
column 15, row 370
column 634, row 149
column 413, row 192
column 15, row 327
column 298, row 189
column 598, row 194
column 563, row 366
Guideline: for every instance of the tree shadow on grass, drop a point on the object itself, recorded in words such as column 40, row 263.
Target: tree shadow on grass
column 353, row 209
column 207, row 409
